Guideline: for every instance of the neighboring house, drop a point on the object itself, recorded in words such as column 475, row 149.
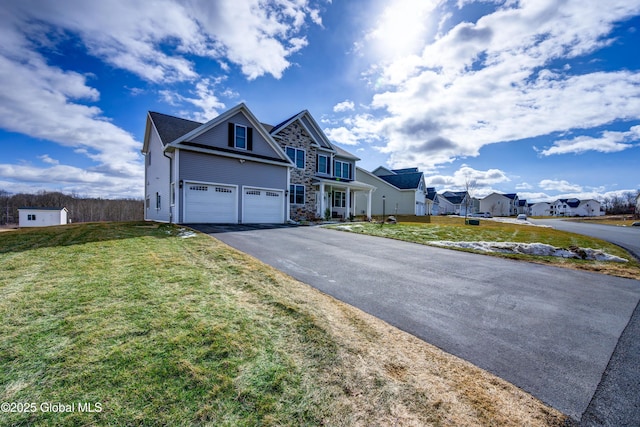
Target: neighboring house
column 500, row 204
column 398, row 191
column 432, row 201
column 541, row 209
column 42, row 217
column 522, row 207
column 454, row 203
column 589, row 207
column 323, row 179
column 228, row 170
column 576, row 207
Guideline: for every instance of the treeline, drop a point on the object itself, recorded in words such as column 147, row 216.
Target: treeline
column 81, row 209
column 622, row 204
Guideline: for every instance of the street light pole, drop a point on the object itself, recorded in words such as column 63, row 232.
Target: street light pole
column 383, row 208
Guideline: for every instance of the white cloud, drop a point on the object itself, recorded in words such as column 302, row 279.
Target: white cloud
column 155, row 41
column 496, row 80
column 524, row 186
column 559, row 185
column 479, row 181
column 46, row 159
column 608, row 142
column 343, row 106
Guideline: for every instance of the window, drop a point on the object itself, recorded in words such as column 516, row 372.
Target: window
column 31, row 217
column 241, row 137
column 296, row 194
column 342, row 169
column 158, row 201
column 339, row 199
column 323, row 164
column 173, row 194
column 297, row 156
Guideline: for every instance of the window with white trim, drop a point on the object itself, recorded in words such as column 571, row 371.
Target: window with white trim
column 296, row 194
column 297, row 156
column 339, row 199
column 323, row 164
column 31, row 217
column 240, row 137
column 342, row 169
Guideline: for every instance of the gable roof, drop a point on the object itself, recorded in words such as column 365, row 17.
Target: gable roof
column 33, row 208
column 406, row 170
column 454, row 197
column 315, row 132
column 171, row 128
column 310, row 125
column 432, row 194
column 175, row 132
column 404, row 181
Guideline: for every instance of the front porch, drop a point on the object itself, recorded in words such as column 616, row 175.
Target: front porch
column 336, row 199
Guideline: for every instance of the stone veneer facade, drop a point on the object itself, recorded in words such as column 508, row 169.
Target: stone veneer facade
column 295, row 136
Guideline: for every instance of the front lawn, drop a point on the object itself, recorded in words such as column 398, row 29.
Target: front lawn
column 151, row 324
column 454, row 229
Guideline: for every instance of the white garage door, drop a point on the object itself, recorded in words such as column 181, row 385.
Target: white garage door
column 208, row 203
column 262, row 206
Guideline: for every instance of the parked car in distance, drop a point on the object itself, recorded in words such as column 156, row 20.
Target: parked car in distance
column 481, row 215
column 522, row 217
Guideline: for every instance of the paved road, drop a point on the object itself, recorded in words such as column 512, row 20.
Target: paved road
column 549, row 331
column 627, row 237
column 616, row 401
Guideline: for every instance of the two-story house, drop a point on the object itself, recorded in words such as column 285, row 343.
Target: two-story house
column 323, row 182
column 500, row 204
column 235, row 169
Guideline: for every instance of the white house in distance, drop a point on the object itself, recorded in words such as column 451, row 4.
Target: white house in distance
column 42, row 217
column 576, row 207
column 541, row 209
column 500, row 204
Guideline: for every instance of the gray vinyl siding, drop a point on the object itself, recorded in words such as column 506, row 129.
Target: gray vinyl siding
column 157, row 180
column 397, row 202
column 218, row 136
column 202, row 167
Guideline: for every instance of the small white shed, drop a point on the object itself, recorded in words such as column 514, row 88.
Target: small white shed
column 42, row 217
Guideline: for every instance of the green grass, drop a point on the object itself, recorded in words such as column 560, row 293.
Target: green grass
column 127, row 316
column 454, row 229
column 159, row 329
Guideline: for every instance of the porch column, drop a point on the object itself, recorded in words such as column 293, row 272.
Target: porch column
column 347, row 208
column 369, row 204
column 322, row 207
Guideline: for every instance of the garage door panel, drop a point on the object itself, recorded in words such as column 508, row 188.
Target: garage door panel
column 208, row 203
column 262, row 206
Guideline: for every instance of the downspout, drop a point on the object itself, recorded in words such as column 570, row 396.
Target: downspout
column 164, row 153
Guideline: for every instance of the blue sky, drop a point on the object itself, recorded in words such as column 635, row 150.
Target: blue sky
column 538, row 97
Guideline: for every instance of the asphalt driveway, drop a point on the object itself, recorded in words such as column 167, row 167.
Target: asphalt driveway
column 550, row 331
